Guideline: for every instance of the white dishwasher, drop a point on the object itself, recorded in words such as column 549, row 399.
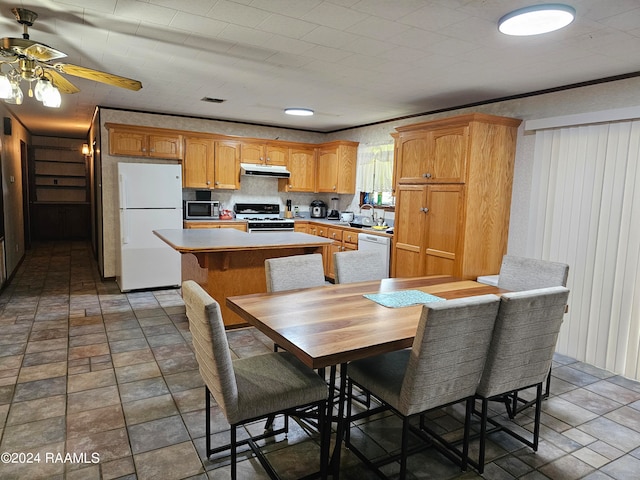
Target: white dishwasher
column 378, row 244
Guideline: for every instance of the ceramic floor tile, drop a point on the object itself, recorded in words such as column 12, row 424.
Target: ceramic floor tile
column 110, row 445
column 95, row 420
column 158, row 433
column 39, row 409
column 147, row 409
column 140, row 389
column 21, row 436
column 40, row 389
column 90, row 399
column 170, row 463
column 91, row 380
column 139, row 371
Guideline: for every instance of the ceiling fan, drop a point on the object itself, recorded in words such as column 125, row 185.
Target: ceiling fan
column 31, row 61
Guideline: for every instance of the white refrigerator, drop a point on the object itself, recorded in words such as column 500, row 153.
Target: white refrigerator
column 150, row 198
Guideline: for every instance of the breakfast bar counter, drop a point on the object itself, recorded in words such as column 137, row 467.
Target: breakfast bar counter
column 227, row 262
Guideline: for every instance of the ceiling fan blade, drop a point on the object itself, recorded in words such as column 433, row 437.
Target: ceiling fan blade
column 98, row 76
column 43, row 53
column 61, row 83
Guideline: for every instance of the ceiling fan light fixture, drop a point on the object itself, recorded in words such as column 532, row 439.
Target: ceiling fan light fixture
column 536, row 19
column 5, row 87
column 51, row 98
column 301, row 112
column 16, row 96
column 42, row 85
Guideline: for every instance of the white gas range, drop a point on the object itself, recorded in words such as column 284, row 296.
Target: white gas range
column 262, row 217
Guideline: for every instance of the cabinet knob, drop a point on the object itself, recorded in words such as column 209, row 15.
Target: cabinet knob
column 208, row 182
column 144, row 149
column 216, row 183
column 424, row 210
column 290, row 186
column 152, row 149
column 426, row 175
column 334, row 187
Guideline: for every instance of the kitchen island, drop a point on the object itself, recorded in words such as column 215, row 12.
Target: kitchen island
column 228, row 262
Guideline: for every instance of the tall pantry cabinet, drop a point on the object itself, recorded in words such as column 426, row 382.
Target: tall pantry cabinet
column 453, row 180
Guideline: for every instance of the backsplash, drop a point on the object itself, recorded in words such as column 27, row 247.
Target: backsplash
column 265, row 190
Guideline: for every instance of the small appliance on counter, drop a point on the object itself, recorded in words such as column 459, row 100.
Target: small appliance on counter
column 318, row 209
column 201, row 210
column 334, row 214
column 346, row 217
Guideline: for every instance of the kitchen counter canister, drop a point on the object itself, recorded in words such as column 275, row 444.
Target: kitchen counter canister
column 228, row 262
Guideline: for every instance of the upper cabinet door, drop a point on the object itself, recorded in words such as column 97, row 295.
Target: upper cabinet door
column 327, row 170
column 302, row 165
column 197, row 167
column 252, row 153
column 277, row 155
column 227, row 165
column 433, row 156
column 132, row 144
column 165, row 146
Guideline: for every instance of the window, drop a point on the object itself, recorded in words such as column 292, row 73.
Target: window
column 374, row 176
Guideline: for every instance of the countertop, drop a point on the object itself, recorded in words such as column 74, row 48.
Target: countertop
column 324, row 221
column 229, row 239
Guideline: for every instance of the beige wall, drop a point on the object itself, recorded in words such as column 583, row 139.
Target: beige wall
column 12, row 191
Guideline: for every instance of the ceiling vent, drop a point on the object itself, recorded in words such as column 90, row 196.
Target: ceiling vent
column 212, row 100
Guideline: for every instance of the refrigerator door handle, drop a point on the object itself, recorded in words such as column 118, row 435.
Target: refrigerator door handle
column 125, row 226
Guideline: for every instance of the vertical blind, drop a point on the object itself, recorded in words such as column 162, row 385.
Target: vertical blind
column 585, row 211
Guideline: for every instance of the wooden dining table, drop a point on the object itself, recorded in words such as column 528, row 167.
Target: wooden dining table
column 335, row 324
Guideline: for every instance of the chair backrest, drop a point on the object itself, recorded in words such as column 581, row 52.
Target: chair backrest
column 298, row 271
column 448, row 352
column 520, row 273
column 211, row 346
column 524, row 340
column 357, row 266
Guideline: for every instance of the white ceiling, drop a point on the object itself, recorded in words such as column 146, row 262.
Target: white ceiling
column 352, row 61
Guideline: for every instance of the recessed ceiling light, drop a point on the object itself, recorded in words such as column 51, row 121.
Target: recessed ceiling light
column 302, row 112
column 537, row 19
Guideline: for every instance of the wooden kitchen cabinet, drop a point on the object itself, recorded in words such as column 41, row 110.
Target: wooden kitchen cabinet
column 211, row 164
column 435, row 156
column 429, row 243
column 336, row 167
column 198, row 163
column 453, row 195
column 264, row 153
column 302, row 165
column 141, row 142
column 227, row 165
column 242, row 226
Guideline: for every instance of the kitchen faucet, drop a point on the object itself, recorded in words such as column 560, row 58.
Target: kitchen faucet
column 373, row 211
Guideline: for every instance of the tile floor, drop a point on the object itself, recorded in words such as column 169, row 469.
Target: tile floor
column 87, row 370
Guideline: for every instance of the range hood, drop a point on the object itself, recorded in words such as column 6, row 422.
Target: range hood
column 274, row 171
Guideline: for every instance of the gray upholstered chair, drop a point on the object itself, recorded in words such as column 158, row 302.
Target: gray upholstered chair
column 356, row 266
column 442, row 367
column 252, row 388
column 518, row 274
column 520, row 355
column 298, row 271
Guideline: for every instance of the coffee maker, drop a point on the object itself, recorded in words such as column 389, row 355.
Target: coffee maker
column 334, row 214
column 318, row 209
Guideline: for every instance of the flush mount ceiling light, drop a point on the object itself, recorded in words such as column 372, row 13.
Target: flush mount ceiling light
column 301, row 112
column 537, row 19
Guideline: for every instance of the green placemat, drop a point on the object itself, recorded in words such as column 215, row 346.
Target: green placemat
column 403, row 298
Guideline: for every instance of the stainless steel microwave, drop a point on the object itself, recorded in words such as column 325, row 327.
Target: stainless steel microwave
column 201, row 210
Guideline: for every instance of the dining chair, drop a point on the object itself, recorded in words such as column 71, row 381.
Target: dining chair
column 521, row 352
column 519, row 274
column 442, row 367
column 297, row 271
column 358, row 266
column 252, row 388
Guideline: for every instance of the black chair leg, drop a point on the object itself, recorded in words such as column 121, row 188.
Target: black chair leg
column 483, row 434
